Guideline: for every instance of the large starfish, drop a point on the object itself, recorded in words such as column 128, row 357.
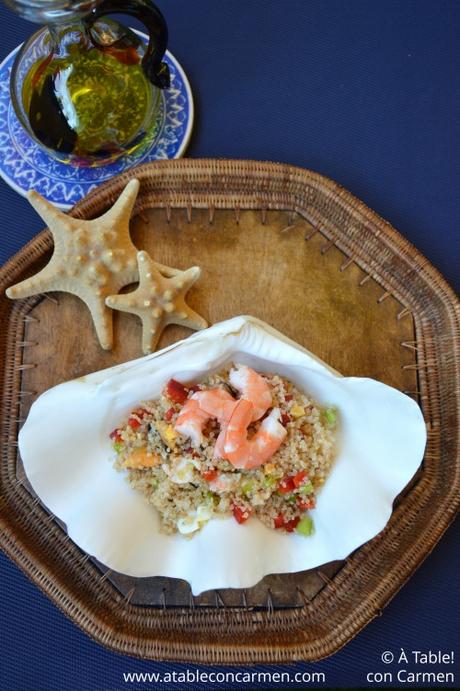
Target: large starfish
column 159, row 300
column 91, row 259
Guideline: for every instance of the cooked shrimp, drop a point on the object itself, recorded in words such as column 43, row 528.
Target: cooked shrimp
column 253, row 388
column 217, row 403
column 191, row 421
column 251, row 453
column 219, row 445
column 199, row 409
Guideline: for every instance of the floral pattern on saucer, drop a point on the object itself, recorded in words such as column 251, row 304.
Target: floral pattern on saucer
column 25, row 166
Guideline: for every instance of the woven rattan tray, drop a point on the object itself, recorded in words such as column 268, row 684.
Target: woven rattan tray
column 298, row 251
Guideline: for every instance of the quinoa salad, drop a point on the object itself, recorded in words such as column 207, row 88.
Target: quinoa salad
column 239, row 443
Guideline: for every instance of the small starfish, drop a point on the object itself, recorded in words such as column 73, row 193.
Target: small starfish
column 91, row 259
column 159, row 300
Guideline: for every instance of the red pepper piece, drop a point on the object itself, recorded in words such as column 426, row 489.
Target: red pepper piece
column 286, row 485
column 115, row 436
column 291, row 525
column 140, row 412
column 195, row 388
column 210, row 475
column 176, row 391
column 169, row 413
column 285, row 418
column 288, row 397
column 300, row 478
column 241, row 515
column 279, row 521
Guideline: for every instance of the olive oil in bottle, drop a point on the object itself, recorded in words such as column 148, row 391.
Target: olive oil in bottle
column 90, row 101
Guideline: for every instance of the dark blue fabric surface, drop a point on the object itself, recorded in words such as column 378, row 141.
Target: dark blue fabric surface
column 368, row 93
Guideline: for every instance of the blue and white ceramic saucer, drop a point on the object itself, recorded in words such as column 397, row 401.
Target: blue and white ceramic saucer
column 24, row 166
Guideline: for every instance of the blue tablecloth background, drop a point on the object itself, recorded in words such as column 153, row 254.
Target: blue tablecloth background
column 366, row 92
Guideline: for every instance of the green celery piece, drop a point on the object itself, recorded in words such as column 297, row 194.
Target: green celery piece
column 291, row 499
column 331, row 416
column 118, row 446
column 247, row 486
column 305, row 526
column 270, row 481
column 212, row 498
column 307, row 488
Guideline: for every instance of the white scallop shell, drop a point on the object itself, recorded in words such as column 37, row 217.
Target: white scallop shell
column 67, row 455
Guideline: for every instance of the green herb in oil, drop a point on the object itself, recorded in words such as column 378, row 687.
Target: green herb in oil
column 91, row 101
